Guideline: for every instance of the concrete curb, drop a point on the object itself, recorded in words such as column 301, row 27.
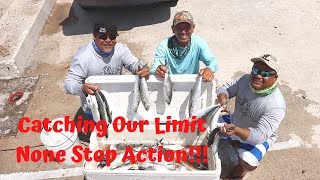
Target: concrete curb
column 21, row 26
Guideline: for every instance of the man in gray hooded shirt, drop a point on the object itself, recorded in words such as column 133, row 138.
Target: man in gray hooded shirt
column 100, row 57
column 259, row 110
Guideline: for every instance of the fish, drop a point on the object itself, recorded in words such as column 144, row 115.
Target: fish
column 214, row 121
column 212, row 136
column 144, row 93
column 136, row 95
column 188, row 166
column 167, row 85
column 101, row 106
column 211, row 118
column 167, row 88
column 119, row 163
column 195, row 96
column 213, row 142
column 108, row 110
column 207, row 110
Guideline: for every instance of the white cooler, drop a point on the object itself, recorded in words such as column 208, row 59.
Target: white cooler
column 120, row 96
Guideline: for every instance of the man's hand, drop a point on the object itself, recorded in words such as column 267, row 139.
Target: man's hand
column 161, row 71
column 228, row 129
column 232, row 129
column 144, row 72
column 207, row 74
column 89, row 88
column 222, row 99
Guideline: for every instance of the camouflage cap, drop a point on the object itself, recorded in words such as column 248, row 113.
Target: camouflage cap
column 182, row 16
column 269, row 60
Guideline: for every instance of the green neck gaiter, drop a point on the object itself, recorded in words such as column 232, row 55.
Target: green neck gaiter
column 264, row 92
column 174, row 48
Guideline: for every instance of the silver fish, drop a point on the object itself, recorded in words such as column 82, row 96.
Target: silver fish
column 101, row 106
column 195, row 96
column 167, row 88
column 213, row 142
column 207, row 110
column 188, row 166
column 214, row 121
column 108, row 110
column 119, row 163
column 212, row 137
column 211, row 118
column 144, row 93
column 136, row 95
column 167, row 85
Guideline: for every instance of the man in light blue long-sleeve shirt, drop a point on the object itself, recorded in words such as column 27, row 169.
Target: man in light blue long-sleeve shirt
column 181, row 53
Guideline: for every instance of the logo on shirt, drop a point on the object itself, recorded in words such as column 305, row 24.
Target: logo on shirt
column 245, row 108
column 111, row 71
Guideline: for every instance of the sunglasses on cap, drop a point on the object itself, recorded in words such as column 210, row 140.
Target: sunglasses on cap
column 104, row 36
column 256, row 71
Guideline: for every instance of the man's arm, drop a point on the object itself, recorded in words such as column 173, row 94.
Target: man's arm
column 74, row 82
column 229, row 90
column 75, row 78
column 230, row 129
column 206, row 56
column 267, row 125
column 130, row 61
column 159, row 59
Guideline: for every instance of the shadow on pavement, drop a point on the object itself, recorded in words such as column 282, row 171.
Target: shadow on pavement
column 80, row 21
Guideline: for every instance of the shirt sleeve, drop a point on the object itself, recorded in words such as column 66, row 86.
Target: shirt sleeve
column 267, row 125
column 75, row 78
column 130, row 61
column 231, row 89
column 159, row 58
column 207, row 57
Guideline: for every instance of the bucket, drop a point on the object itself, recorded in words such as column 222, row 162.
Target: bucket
column 64, row 140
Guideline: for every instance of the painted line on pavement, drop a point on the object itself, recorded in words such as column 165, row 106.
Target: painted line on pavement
column 291, row 143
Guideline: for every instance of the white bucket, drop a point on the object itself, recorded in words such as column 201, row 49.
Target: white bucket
column 64, row 140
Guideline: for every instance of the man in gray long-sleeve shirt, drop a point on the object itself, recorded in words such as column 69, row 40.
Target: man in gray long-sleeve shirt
column 101, row 56
column 259, row 110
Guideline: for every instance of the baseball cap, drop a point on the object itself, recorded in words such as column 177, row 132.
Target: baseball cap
column 183, row 16
column 104, row 28
column 268, row 59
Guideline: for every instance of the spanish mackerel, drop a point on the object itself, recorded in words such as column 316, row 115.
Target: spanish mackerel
column 108, row 109
column 167, row 85
column 101, row 106
column 195, row 96
column 136, row 95
column 167, row 88
column 144, row 93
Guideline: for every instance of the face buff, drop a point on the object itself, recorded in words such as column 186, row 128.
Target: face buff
column 99, row 51
column 176, row 50
column 264, row 92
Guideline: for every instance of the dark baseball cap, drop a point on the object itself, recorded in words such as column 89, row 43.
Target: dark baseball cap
column 104, row 28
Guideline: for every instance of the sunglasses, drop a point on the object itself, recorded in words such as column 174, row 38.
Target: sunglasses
column 256, row 71
column 111, row 36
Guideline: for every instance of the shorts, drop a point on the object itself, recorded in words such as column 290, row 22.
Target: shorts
column 252, row 154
